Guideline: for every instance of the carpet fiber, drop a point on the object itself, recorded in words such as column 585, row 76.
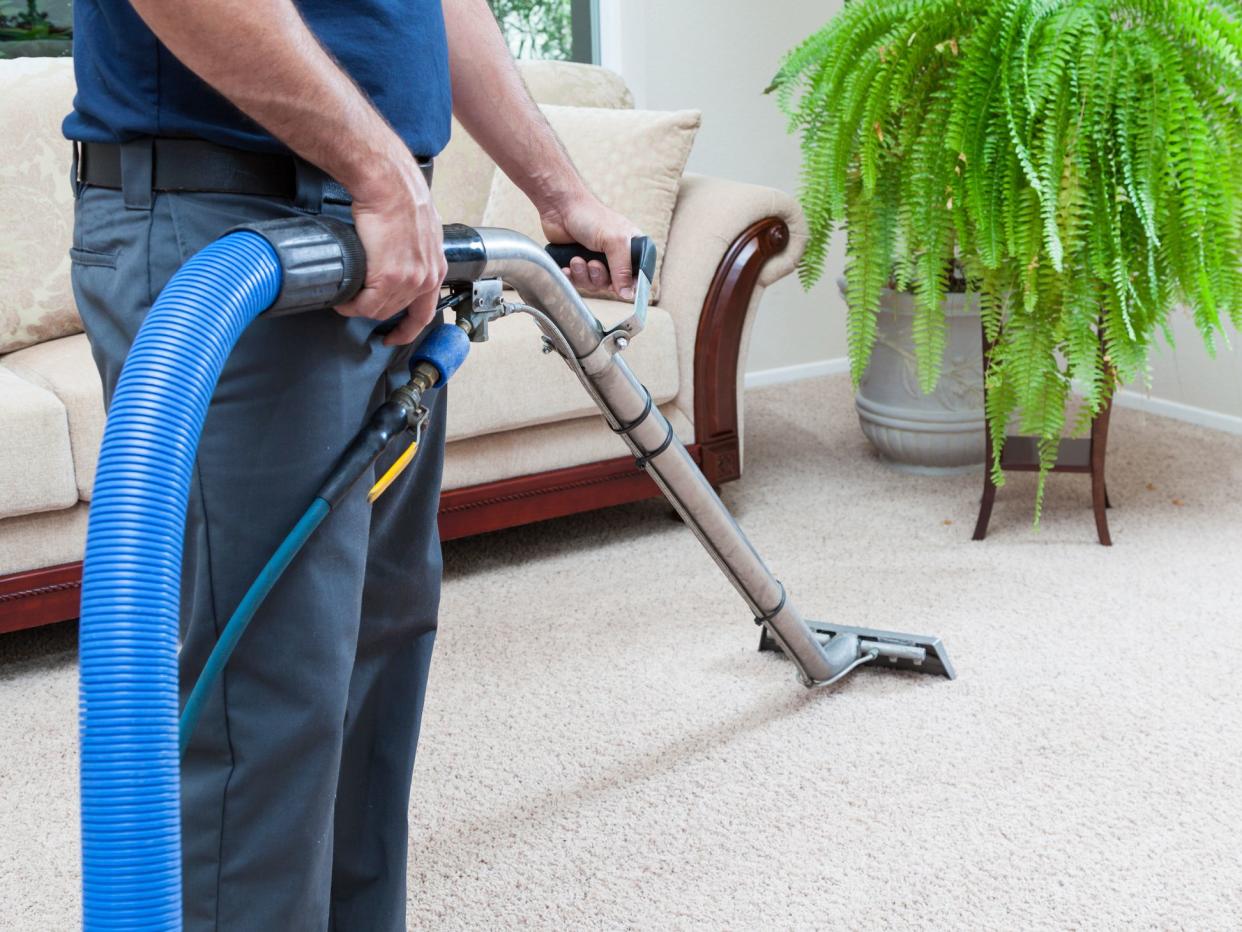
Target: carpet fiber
column 604, row 748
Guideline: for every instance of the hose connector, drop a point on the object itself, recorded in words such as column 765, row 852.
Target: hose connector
column 322, row 260
column 444, row 350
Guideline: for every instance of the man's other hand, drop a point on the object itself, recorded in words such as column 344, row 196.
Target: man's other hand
column 584, row 219
column 401, row 233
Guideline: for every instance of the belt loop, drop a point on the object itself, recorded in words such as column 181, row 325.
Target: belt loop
column 75, row 170
column 309, row 181
column 137, row 172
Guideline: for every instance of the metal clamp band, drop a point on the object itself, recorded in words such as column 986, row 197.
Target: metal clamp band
column 764, row 619
column 626, row 428
column 643, row 461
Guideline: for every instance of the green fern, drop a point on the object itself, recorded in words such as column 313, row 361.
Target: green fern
column 1080, row 160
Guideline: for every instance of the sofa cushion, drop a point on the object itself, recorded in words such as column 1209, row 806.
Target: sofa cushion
column 36, row 202
column 511, row 453
column 632, row 159
column 50, row 538
column 463, row 178
column 65, row 368
column 36, row 465
column 464, row 171
column 573, row 84
column 507, row 382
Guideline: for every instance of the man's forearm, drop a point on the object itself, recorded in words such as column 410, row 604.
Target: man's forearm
column 492, row 103
column 262, row 57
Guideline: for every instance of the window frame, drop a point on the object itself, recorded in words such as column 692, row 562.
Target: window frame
column 584, row 26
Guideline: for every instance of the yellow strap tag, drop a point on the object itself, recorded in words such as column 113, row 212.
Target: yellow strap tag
column 394, row 471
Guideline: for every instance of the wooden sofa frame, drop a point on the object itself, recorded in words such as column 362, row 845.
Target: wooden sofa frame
column 50, row 595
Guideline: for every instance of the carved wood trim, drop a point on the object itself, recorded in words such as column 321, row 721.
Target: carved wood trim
column 40, row 597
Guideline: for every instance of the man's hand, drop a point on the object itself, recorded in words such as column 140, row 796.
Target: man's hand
column 401, row 233
column 584, row 219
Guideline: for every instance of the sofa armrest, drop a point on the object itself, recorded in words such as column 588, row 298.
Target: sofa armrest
column 728, row 242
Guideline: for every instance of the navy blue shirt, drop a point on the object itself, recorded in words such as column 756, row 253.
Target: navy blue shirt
column 130, row 85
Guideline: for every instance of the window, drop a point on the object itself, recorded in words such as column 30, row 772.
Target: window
column 566, row 30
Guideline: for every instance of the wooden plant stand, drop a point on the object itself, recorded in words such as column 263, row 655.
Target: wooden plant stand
column 1084, row 455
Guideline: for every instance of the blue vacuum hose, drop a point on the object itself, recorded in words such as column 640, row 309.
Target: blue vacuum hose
column 131, row 819
column 131, row 811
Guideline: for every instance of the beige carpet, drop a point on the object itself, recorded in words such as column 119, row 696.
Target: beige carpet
column 605, row 749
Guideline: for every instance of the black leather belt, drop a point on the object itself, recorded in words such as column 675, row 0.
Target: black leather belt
column 199, row 165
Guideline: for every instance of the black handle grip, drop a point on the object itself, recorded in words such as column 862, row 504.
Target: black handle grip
column 642, row 255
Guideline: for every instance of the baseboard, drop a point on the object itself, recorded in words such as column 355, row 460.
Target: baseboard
column 1203, row 417
column 1126, row 398
column 806, row 370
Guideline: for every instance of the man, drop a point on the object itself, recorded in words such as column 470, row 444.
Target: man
column 193, row 116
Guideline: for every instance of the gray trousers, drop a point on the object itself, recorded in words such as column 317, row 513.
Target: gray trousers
column 296, row 786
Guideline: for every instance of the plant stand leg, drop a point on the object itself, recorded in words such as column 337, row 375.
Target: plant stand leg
column 1098, row 497
column 989, row 487
column 1099, row 489
column 985, row 504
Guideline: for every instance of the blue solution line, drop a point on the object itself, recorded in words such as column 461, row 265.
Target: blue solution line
column 131, row 583
column 236, row 626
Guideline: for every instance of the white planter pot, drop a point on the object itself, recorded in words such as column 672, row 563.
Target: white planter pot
column 938, row 433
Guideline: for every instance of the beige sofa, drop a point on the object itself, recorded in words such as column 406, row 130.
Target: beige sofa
column 524, row 441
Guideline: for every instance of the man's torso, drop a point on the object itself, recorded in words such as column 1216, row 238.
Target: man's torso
column 130, row 85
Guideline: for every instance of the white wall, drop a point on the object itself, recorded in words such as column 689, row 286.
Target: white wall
column 1188, row 383
column 718, row 56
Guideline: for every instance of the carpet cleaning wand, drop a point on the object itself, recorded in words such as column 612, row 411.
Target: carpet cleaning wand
column 128, row 634
column 822, row 652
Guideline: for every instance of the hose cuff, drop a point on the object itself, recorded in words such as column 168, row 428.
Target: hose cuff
column 321, row 258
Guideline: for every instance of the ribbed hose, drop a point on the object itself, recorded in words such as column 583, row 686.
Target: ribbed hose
column 131, row 818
